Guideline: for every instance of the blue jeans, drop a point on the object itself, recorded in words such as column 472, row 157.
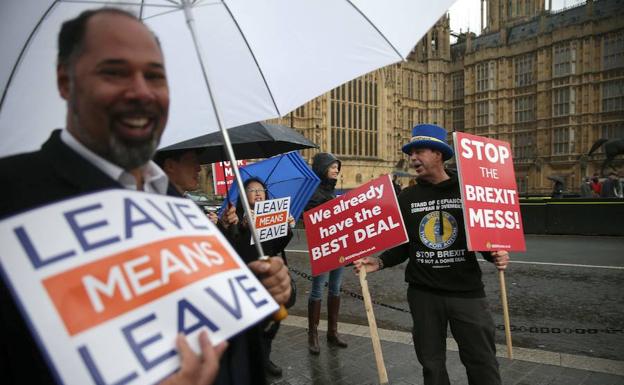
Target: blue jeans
column 335, row 280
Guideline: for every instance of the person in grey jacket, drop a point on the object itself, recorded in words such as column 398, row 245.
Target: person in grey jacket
column 327, row 167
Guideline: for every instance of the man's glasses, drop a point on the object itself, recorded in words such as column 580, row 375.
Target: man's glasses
column 257, row 191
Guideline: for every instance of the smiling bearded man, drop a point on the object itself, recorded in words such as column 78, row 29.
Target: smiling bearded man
column 117, row 92
column 111, row 72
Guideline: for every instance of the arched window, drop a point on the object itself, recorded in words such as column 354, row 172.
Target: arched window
column 353, row 118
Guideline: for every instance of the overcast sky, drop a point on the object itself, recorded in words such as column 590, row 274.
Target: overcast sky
column 465, row 13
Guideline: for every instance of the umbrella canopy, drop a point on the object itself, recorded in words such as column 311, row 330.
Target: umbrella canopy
column 556, row 178
column 401, row 173
column 286, row 175
column 249, row 141
column 261, row 58
column 228, row 62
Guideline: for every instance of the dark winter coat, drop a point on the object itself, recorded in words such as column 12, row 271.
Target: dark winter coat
column 51, row 174
column 241, row 241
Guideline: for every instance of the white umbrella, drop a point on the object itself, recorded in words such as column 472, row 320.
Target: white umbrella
column 263, row 58
column 247, row 60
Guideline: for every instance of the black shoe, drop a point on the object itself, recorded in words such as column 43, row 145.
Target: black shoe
column 273, row 369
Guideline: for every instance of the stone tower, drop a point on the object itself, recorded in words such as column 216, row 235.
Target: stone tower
column 495, row 14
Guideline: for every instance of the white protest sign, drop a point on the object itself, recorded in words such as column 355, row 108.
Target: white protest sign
column 271, row 218
column 107, row 280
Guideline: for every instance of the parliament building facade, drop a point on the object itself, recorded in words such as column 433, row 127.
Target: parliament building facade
column 549, row 83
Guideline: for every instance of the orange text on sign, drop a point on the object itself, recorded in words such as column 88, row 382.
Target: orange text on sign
column 91, row 294
column 271, row 219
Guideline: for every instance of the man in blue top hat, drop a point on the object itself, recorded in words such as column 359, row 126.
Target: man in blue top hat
column 444, row 278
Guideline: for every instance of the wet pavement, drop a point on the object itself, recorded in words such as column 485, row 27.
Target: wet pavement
column 567, row 321
column 355, row 365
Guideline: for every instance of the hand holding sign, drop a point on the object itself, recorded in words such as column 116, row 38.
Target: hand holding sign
column 273, row 275
column 500, row 259
column 370, row 264
column 197, row 369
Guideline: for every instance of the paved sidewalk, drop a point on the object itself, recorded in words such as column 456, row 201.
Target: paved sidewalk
column 356, row 364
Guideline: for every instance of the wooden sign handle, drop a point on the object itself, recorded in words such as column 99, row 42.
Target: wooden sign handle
column 368, row 304
column 503, row 290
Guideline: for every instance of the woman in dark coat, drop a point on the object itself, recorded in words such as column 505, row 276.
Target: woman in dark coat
column 327, row 167
column 239, row 236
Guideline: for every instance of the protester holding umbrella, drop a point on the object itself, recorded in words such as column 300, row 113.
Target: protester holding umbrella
column 182, row 166
column 110, row 71
column 239, row 235
column 327, row 167
column 558, row 186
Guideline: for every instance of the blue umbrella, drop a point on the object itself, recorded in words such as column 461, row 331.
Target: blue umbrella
column 284, row 175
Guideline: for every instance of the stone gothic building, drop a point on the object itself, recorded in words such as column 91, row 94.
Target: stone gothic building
column 549, row 83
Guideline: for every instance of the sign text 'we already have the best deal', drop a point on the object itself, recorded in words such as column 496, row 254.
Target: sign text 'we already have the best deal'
column 364, row 221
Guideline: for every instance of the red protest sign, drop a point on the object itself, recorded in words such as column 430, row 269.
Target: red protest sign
column 223, row 176
column 489, row 194
column 361, row 222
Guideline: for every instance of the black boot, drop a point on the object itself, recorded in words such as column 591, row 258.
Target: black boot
column 314, row 314
column 273, row 369
column 333, row 305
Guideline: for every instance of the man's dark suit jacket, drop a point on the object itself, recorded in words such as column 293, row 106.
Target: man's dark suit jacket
column 54, row 173
column 29, row 180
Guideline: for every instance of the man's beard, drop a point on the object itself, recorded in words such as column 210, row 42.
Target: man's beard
column 130, row 156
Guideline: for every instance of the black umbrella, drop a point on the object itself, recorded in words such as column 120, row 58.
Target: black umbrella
column 556, row 178
column 250, row 141
column 401, row 173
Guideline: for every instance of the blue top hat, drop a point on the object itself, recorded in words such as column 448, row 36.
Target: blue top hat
column 429, row 136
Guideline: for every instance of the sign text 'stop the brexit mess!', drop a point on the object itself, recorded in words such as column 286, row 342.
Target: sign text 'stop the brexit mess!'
column 489, row 194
